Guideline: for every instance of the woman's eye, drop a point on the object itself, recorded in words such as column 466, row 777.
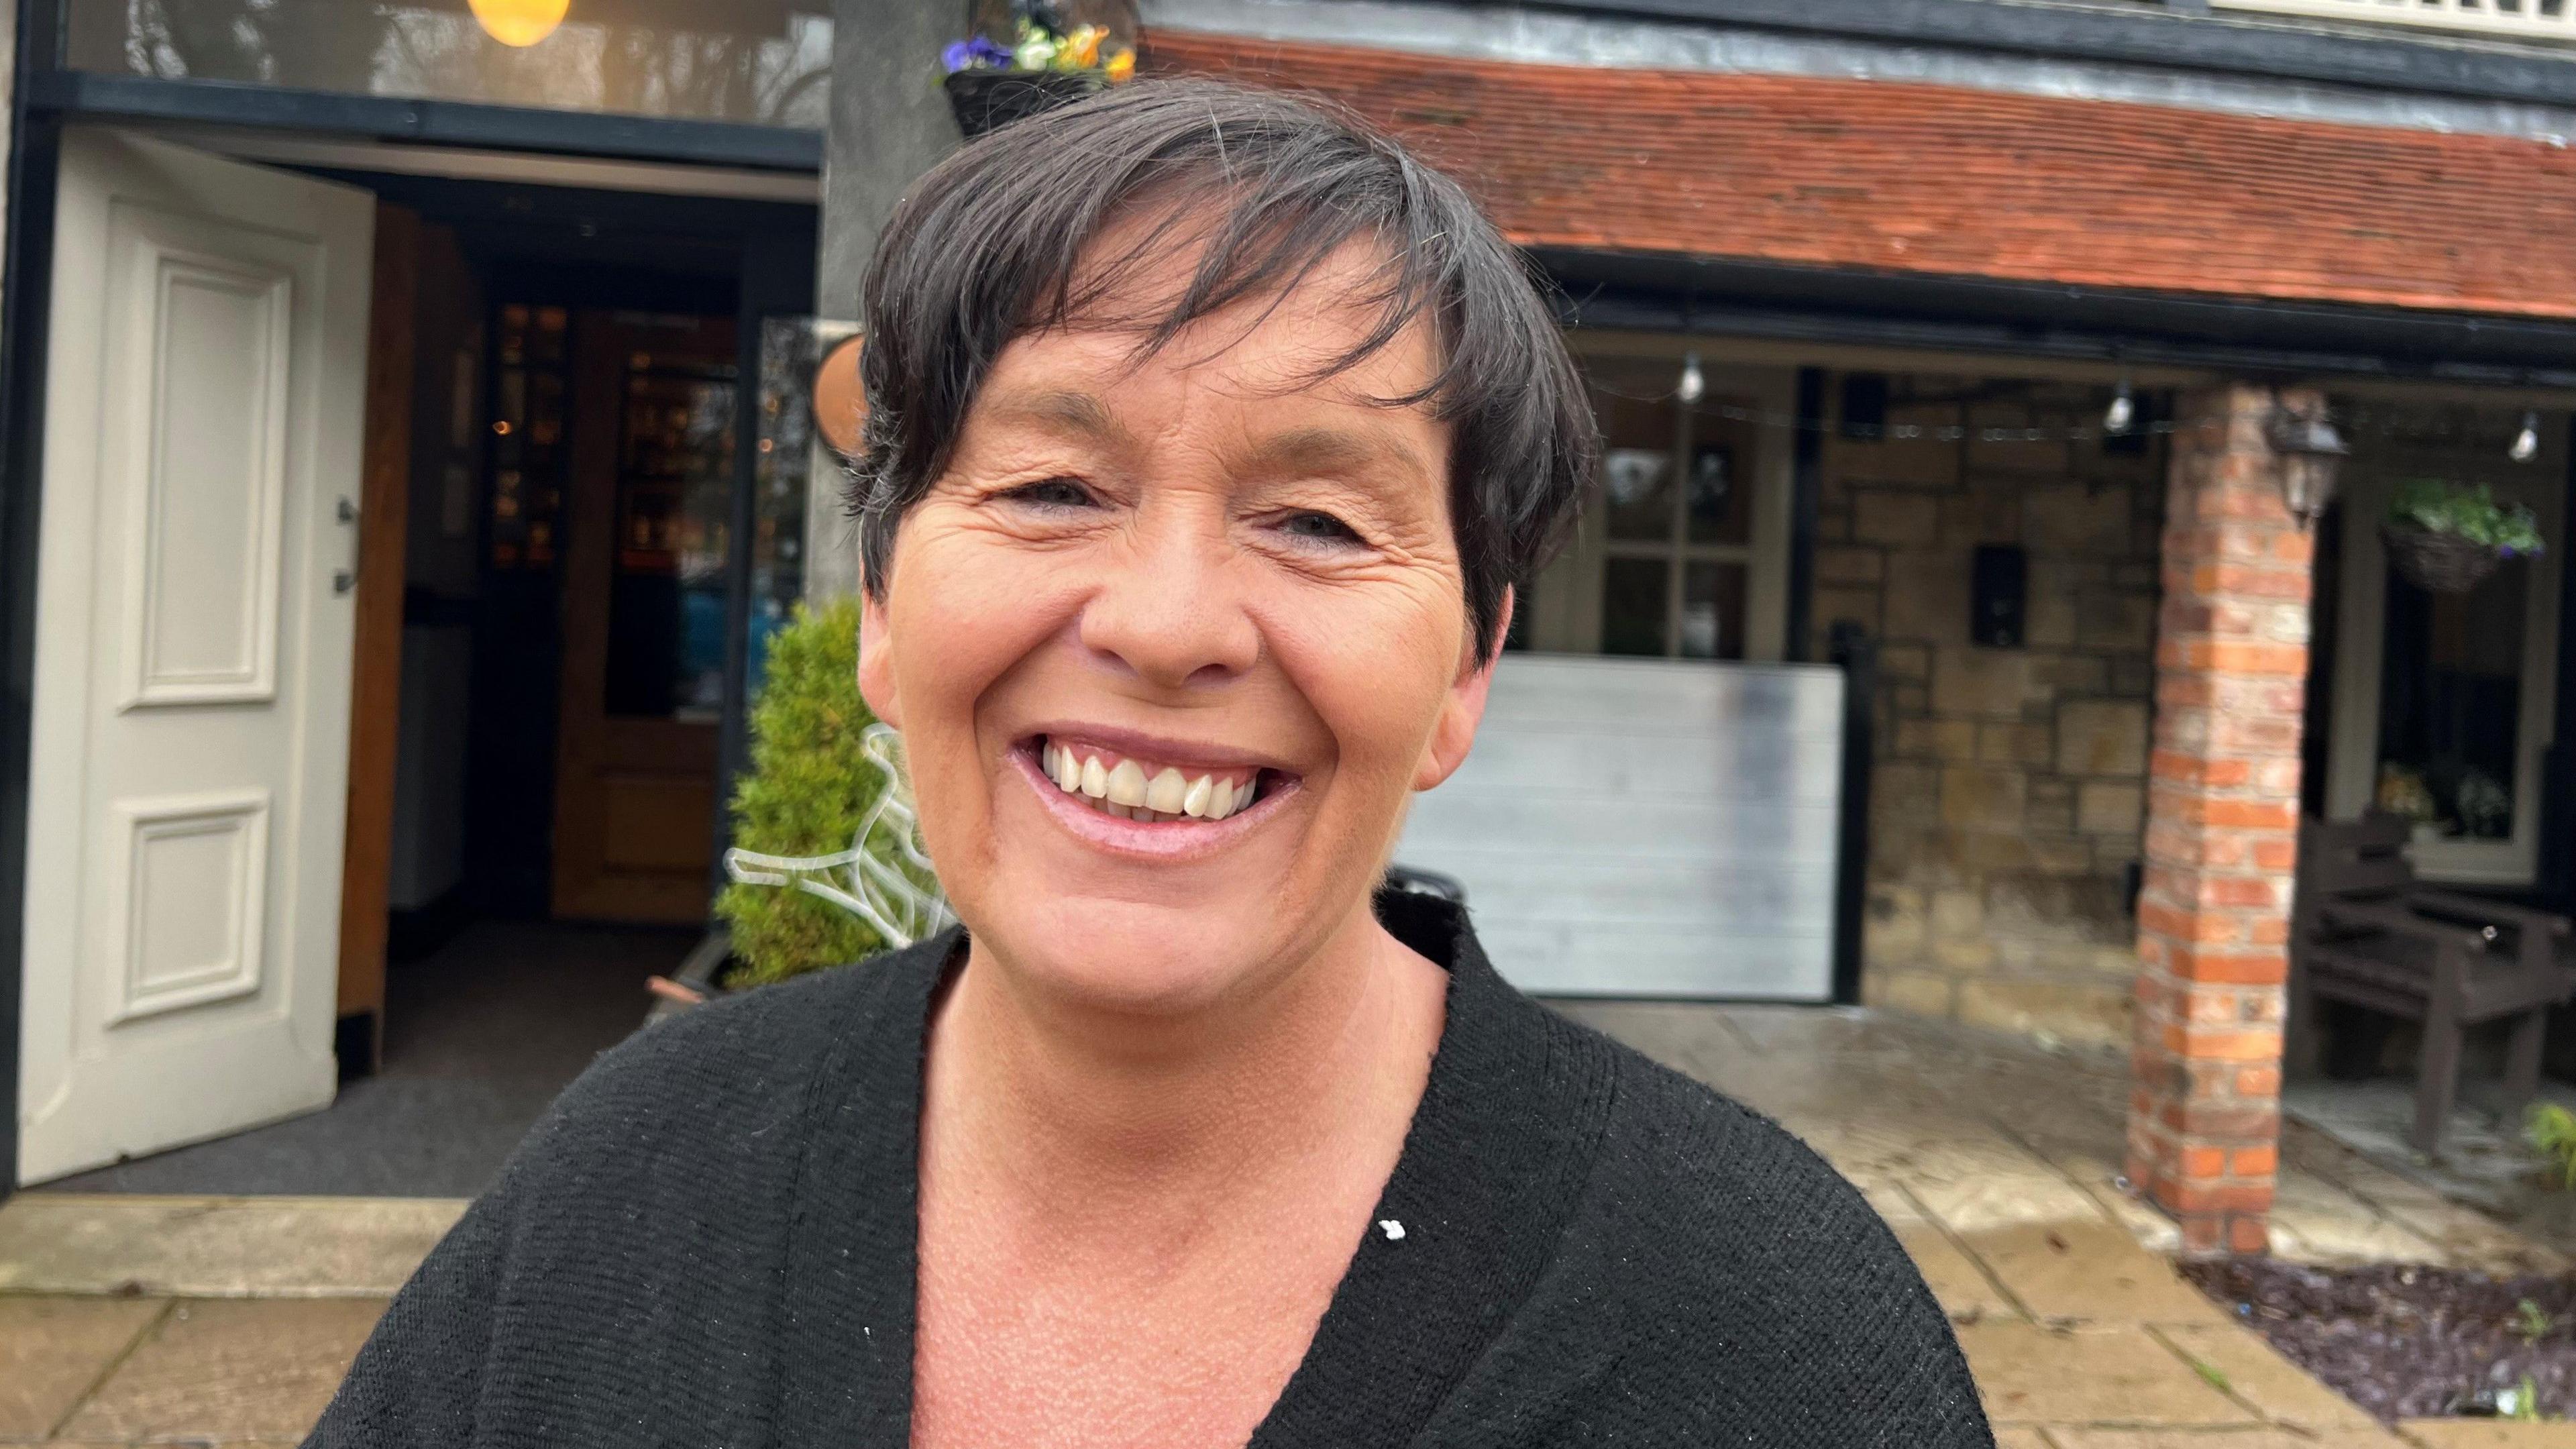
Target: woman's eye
column 1320, row 526
column 1053, row 493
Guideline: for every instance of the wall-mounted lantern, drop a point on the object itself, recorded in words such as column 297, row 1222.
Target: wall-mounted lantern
column 2311, row 452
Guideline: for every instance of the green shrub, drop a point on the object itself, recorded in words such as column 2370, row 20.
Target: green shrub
column 2551, row 1130
column 809, row 785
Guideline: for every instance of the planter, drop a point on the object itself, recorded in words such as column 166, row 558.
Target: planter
column 2439, row 563
column 986, row 100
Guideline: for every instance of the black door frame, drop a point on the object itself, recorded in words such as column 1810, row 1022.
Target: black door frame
column 44, row 99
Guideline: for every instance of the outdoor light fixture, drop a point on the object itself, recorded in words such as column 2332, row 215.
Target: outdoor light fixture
column 2122, row 414
column 2526, row 444
column 1692, row 386
column 519, row 22
column 2311, row 451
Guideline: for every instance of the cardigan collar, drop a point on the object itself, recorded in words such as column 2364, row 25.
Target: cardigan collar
column 1495, row 1161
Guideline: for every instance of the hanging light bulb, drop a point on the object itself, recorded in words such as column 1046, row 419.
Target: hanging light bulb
column 1692, row 386
column 2526, row 444
column 2122, row 414
column 519, row 22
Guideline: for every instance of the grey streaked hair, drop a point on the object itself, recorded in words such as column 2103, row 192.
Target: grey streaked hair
column 999, row 240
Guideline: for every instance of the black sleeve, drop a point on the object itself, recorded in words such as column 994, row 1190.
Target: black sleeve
column 1776, row 1307
column 419, row 1378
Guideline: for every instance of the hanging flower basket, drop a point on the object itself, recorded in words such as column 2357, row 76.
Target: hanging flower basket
column 986, row 100
column 2446, row 538
column 2439, row 563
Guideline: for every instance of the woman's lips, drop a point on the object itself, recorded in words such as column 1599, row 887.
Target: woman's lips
column 1178, row 837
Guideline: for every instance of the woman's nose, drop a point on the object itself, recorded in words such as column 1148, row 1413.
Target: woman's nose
column 1167, row 610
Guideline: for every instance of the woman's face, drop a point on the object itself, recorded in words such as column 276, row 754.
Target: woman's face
column 1171, row 643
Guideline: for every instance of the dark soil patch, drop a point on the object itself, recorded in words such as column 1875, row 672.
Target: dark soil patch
column 2410, row 1342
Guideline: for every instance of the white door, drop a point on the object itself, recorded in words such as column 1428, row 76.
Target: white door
column 204, row 409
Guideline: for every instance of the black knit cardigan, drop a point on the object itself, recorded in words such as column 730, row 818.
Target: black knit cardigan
column 709, row 1241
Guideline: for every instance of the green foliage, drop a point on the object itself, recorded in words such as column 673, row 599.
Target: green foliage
column 2531, row 1322
column 2466, row 513
column 808, row 787
column 2551, row 1129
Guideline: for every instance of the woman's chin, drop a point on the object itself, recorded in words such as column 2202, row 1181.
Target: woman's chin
column 1132, row 957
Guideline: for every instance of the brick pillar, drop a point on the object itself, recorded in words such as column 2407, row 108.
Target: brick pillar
column 2222, row 828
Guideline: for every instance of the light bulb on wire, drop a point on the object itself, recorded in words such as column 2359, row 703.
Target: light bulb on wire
column 2122, row 414
column 1692, row 386
column 2526, row 444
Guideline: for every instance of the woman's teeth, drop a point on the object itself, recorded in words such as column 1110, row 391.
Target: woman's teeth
column 1133, row 790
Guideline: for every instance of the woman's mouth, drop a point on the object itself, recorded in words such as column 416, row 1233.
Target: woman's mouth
column 1133, row 787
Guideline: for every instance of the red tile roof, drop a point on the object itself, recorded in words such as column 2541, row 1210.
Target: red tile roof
column 1897, row 177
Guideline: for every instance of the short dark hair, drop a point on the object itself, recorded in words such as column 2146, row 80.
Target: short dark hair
column 992, row 243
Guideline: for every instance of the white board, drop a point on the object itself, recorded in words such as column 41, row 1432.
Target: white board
column 1640, row 827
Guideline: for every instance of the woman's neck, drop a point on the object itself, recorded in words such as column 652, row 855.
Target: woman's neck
column 1085, row 1114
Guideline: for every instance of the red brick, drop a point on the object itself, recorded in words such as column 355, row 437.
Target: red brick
column 2248, row 1235
column 2254, row 1161
column 2258, row 1081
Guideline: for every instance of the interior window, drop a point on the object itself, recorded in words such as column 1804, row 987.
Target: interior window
column 2450, row 706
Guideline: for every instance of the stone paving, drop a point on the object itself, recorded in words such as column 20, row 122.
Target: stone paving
column 226, row 1321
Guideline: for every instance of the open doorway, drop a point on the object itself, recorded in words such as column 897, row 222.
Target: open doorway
column 591, row 496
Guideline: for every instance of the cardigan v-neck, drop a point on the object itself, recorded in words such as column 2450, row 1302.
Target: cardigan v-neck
column 712, row 1239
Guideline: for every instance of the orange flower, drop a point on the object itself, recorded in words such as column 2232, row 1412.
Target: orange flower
column 1083, row 47
column 1122, row 66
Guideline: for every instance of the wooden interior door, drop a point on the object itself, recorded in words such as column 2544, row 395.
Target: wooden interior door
column 654, row 400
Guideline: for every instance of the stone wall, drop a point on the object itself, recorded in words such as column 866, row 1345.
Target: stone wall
column 2007, row 801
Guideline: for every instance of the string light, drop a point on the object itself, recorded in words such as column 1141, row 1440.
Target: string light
column 2122, row 413
column 2526, row 444
column 1693, row 385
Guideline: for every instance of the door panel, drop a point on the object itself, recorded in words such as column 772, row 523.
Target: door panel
column 646, row 543
column 203, row 415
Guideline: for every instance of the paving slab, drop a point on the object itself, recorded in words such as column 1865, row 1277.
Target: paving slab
column 2032, row 1374
column 229, row 1370
column 2219, row 1439
column 2257, row 1374
column 213, row 1247
column 1964, row 1290
column 54, row 1350
column 2090, row 1271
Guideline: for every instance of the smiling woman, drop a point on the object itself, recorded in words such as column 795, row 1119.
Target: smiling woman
column 1195, row 485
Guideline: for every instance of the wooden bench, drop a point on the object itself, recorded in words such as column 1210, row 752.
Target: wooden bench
column 2364, row 931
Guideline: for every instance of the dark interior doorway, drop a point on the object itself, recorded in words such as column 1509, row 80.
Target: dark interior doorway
column 604, row 513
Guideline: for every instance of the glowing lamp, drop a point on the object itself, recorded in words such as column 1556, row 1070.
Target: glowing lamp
column 519, row 22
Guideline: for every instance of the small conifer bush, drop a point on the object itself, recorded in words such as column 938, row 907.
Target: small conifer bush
column 807, row 789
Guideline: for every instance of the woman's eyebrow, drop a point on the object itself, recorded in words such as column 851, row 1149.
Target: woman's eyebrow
column 1333, row 450
column 1060, row 410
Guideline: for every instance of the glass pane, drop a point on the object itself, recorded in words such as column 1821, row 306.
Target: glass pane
column 767, row 62
column 528, row 457
column 1713, row 611
column 790, row 450
column 1639, row 482
column 2450, row 706
column 1633, row 400
column 1633, row 600
column 666, row 616
column 1719, row 509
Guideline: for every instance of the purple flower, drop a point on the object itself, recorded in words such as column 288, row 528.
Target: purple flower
column 974, row 53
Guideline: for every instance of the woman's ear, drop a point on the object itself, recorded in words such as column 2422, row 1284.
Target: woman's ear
column 1454, row 733
column 876, row 661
